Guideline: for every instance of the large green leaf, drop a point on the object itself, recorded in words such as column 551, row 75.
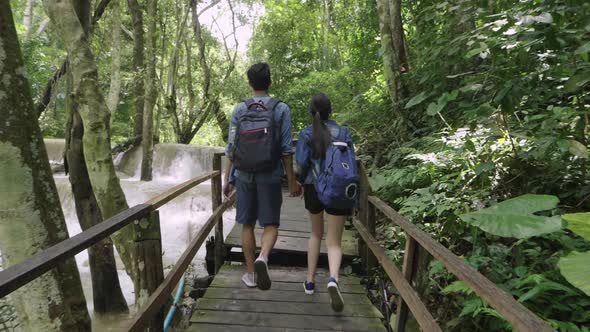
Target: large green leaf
column 417, row 99
column 515, row 217
column 579, row 223
column 578, row 149
column 575, row 267
column 583, row 49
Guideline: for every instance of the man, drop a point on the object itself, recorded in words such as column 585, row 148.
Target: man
column 259, row 151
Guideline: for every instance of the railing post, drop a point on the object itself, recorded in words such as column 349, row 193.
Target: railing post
column 408, row 270
column 148, row 263
column 366, row 214
column 216, row 200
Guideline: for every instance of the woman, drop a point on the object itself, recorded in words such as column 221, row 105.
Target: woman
column 310, row 155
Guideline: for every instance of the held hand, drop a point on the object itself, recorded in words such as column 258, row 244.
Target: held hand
column 228, row 188
column 301, row 189
column 295, row 189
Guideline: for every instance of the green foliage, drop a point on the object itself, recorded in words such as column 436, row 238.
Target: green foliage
column 497, row 106
column 579, row 223
column 575, row 267
column 515, row 217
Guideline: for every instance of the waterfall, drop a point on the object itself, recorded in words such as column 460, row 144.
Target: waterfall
column 180, row 219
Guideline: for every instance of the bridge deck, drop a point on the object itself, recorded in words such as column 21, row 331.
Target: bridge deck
column 229, row 306
column 294, row 232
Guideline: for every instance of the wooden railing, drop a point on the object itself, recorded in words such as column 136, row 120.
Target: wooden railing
column 371, row 252
column 20, row 274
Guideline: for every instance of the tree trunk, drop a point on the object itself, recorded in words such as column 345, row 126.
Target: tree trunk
column 28, row 18
column 398, row 36
column 106, row 290
column 138, row 65
column 326, row 18
column 115, row 87
column 31, row 218
column 151, row 94
column 221, row 117
column 390, row 61
column 95, row 117
column 42, row 27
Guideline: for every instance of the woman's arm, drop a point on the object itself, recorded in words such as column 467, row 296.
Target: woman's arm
column 302, row 156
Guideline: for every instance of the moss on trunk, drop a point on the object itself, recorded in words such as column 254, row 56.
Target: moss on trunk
column 31, row 218
column 96, row 119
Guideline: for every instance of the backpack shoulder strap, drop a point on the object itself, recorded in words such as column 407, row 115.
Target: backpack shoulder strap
column 272, row 103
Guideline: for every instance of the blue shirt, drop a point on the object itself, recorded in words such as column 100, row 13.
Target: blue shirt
column 282, row 116
column 303, row 153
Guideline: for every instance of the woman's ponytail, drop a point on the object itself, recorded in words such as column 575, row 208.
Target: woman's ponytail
column 320, row 109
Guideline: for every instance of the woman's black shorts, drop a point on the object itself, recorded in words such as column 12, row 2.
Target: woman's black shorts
column 315, row 206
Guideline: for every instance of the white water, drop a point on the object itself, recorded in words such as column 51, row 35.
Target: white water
column 180, row 219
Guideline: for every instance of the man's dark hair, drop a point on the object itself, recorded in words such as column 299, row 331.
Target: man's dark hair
column 259, row 76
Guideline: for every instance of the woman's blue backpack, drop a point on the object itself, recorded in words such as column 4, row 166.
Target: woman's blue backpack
column 337, row 183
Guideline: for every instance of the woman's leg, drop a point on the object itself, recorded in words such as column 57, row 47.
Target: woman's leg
column 315, row 240
column 334, row 243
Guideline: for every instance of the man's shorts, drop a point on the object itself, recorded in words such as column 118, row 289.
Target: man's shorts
column 260, row 202
column 315, row 206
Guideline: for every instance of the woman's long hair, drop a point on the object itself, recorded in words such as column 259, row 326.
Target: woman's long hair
column 320, row 109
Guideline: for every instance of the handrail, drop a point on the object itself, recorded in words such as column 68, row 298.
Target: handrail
column 16, row 276
column 162, row 293
column 423, row 316
column 514, row 312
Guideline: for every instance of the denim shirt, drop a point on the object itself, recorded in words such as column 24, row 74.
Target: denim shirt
column 303, row 153
column 282, row 116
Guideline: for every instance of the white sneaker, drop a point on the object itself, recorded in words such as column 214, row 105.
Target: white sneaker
column 249, row 279
column 262, row 276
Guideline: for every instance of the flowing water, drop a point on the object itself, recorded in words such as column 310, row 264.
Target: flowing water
column 180, row 219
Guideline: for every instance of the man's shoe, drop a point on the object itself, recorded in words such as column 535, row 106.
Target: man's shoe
column 249, row 279
column 309, row 287
column 262, row 276
column 336, row 299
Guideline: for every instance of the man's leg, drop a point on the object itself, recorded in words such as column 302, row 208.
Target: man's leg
column 248, row 246
column 246, row 211
column 269, row 199
column 269, row 238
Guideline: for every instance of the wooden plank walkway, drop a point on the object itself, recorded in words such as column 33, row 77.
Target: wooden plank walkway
column 294, row 232
column 229, row 306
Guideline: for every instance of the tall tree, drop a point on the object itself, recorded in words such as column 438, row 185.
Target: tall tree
column 31, row 218
column 106, row 290
column 138, row 65
column 398, row 36
column 151, row 94
column 96, row 118
column 115, row 87
column 391, row 62
column 210, row 87
column 28, row 18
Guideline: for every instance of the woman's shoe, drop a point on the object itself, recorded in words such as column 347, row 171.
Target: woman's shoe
column 309, row 287
column 336, row 299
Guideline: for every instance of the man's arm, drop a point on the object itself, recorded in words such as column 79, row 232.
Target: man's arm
column 229, row 171
column 228, row 187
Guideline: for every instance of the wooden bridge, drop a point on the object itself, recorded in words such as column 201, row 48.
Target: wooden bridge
column 227, row 305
